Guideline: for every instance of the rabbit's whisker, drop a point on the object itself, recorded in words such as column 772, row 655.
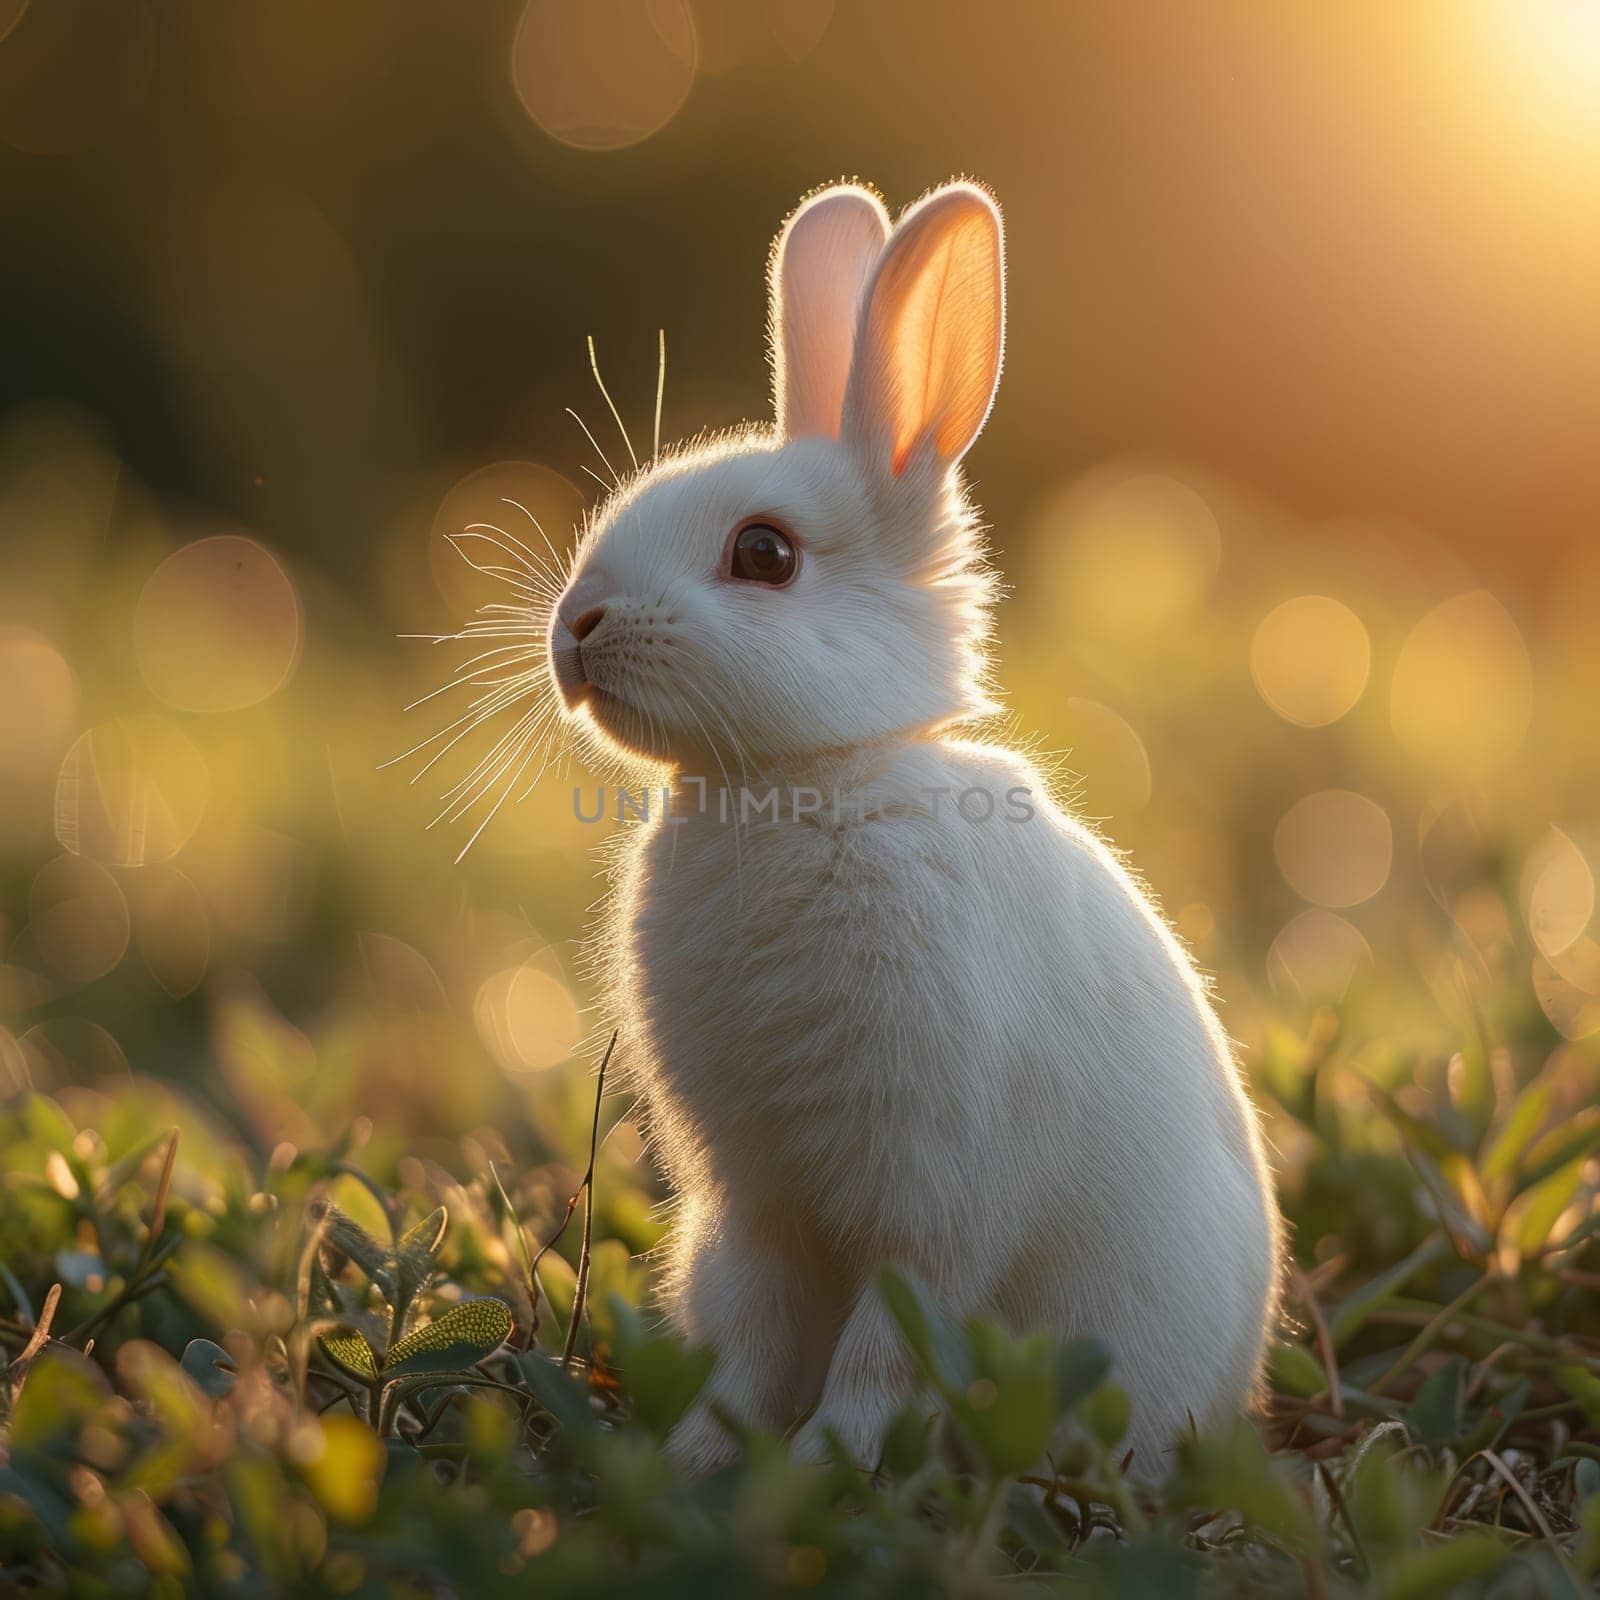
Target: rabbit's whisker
column 461, row 797
column 531, row 591
column 516, row 778
column 482, row 530
column 472, row 719
column 464, row 676
column 661, row 389
column 529, row 730
column 504, row 674
column 531, row 569
column 559, row 567
column 605, row 394
column 604, row 461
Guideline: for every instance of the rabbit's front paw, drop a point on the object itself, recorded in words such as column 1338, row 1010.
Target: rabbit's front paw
column 700, row 1445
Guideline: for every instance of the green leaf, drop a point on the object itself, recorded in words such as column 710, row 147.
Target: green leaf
column 563, row 1396
column 426, row 1236
column 1441, row 1569
column 322, row 1294
column 465, row 1334
column 1009, row 1411
column 1496, row 1418
column 905, row 1445
column 661, row 1375
column 1293, row 1369
column 937, row 1345
column 1035, row 1529
column 1566, row 1142
column 1539, row 1209
column 61, row 1391
column 1229, row 1466
column 1106, row 1414
column 1082, row 1365
column 1586, row 1558
column 663, row 1379
column 1520, row 1129
column 126, row 1167
column 51, row 1509
column 1351, row 1316
column 349, row 1238
column 1470, row 1085
column 413, row 1257
column 1435, row 1413
column 47, row 1123
column 1584, row 1387
column 348, row 1350
column 210, row 1367
column 19, row 1295
column 1150, row 1567
column 1392, row 1497
column 345, row 1468
column 1445, row 1191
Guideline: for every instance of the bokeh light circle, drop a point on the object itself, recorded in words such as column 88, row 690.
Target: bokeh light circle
column 14, row 1074
column 519, row 498
column 71, row 1050
column 527, row 1018
column 79, row 919
column 1568, row 989
column 218, row 625
column 798, row 25
column 1138, row 554
column 1558, row 894
column 172, row 929
column 130, row 792
column 1310, row 658
column 1106, row 752
column 604, row 74
column 1334, row 847
column 1316, row 954
column 38, row 703
column 398, row 977
column 1462, row 692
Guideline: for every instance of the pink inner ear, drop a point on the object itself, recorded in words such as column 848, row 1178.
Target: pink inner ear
column 825, row 256
column 932, row 332
column 943, row 338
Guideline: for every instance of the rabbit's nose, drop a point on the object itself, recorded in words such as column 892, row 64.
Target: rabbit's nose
column 583, row 607
column 584, row 624
column 581, row 611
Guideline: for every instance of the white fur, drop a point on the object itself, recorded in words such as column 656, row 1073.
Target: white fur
column 968, row 1048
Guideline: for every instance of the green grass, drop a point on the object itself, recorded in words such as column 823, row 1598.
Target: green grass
column 243, row 1372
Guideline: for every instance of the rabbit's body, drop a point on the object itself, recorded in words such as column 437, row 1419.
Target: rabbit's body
column 925, row 1032
column 952, row 1037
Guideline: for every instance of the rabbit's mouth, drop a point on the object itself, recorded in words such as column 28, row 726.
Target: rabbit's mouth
column 605, row 706
column 566, row 668
column 623, row 723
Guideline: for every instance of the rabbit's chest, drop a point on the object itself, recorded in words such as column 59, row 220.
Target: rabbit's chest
column 785, row 990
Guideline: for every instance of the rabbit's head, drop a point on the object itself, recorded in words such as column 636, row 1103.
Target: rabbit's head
column 820, row 584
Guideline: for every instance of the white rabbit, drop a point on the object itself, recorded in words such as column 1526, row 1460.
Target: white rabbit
column 936, row 1025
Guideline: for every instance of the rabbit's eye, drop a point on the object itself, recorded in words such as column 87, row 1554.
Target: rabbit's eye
column 761, row 554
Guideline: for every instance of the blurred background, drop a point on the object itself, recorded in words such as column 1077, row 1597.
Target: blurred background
column 1294, row 482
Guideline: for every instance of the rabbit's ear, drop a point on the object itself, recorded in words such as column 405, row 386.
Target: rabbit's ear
column 927, row 356
column 819, row 266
